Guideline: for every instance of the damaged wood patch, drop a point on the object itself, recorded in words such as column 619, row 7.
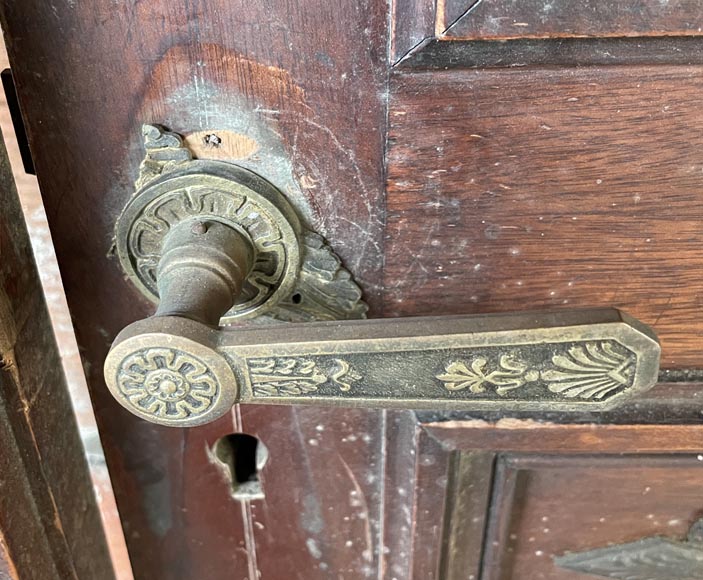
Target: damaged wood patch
column 224, row 144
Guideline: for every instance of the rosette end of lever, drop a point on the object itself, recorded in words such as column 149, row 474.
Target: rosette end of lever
column 167, row 370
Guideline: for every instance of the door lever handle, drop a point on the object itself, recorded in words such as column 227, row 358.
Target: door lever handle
column 218, row 257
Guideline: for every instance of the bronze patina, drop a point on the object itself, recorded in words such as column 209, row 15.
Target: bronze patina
column 214, row 243
column 176, row 371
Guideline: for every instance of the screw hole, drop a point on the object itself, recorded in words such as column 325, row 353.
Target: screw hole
column 297, row 298
column 212, row 140
column 241, row 457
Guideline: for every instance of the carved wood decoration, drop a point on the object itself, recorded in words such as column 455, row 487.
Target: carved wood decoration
column 655, row 558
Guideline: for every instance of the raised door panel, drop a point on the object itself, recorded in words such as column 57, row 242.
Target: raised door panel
column 549, row 188
column 546, row 509
column 515, row 499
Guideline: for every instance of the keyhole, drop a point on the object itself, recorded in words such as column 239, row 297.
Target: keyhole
column 242, row 457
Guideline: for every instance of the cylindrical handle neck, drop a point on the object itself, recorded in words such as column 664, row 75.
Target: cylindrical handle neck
column 201, row 271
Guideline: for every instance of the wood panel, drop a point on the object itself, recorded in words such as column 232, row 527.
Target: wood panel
column 467, row 514
column 548, row 493
column 545, row 507
column 549, row 188
column 325, row 485
column 50, row 525
column 306, row 82
column 444, row 54
column 322, row 484
column 451, row 33
column 436, row 504
column 403, row 454
column 469, row 19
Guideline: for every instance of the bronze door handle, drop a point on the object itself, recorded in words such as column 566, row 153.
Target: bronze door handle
column 217, row 243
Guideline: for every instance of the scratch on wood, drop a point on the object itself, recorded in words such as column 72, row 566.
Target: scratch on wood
column 358, row 492
column 8, row 337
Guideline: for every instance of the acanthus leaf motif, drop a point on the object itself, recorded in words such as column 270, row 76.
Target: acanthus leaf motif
column 590, row 371
column 275, row 377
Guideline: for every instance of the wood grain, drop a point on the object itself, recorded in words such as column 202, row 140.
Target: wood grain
column 307, row 82
column 444, row 54
column 324, row 483
column 430, row 494
column 546, row 507
column 502, row 19
column 518, row 435
column 468, row 505
column 403, row 457
column 49, row 519
column 412, row 22
column 538, row 471
column 549, row 188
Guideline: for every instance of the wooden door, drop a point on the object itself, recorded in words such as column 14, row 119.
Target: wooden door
column 460, row 157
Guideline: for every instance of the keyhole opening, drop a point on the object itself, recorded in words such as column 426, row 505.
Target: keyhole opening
column 242, row 457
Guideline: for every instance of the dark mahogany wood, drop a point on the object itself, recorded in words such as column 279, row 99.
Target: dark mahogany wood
column 544, row 186
column 412, row 22
column 468, row 19
column 549, row 188
column 547, row 494
column 307, row 79
column 545, row 507
column 443, row 53
column 527, row 435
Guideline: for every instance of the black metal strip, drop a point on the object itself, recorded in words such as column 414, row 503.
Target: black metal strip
column 13, row 105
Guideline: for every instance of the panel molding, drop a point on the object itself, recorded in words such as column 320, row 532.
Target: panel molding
column 441, row 53
column 423, row 37
column 654, row 558
column 502, row 19
column 467, row 501
column 518, row 539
